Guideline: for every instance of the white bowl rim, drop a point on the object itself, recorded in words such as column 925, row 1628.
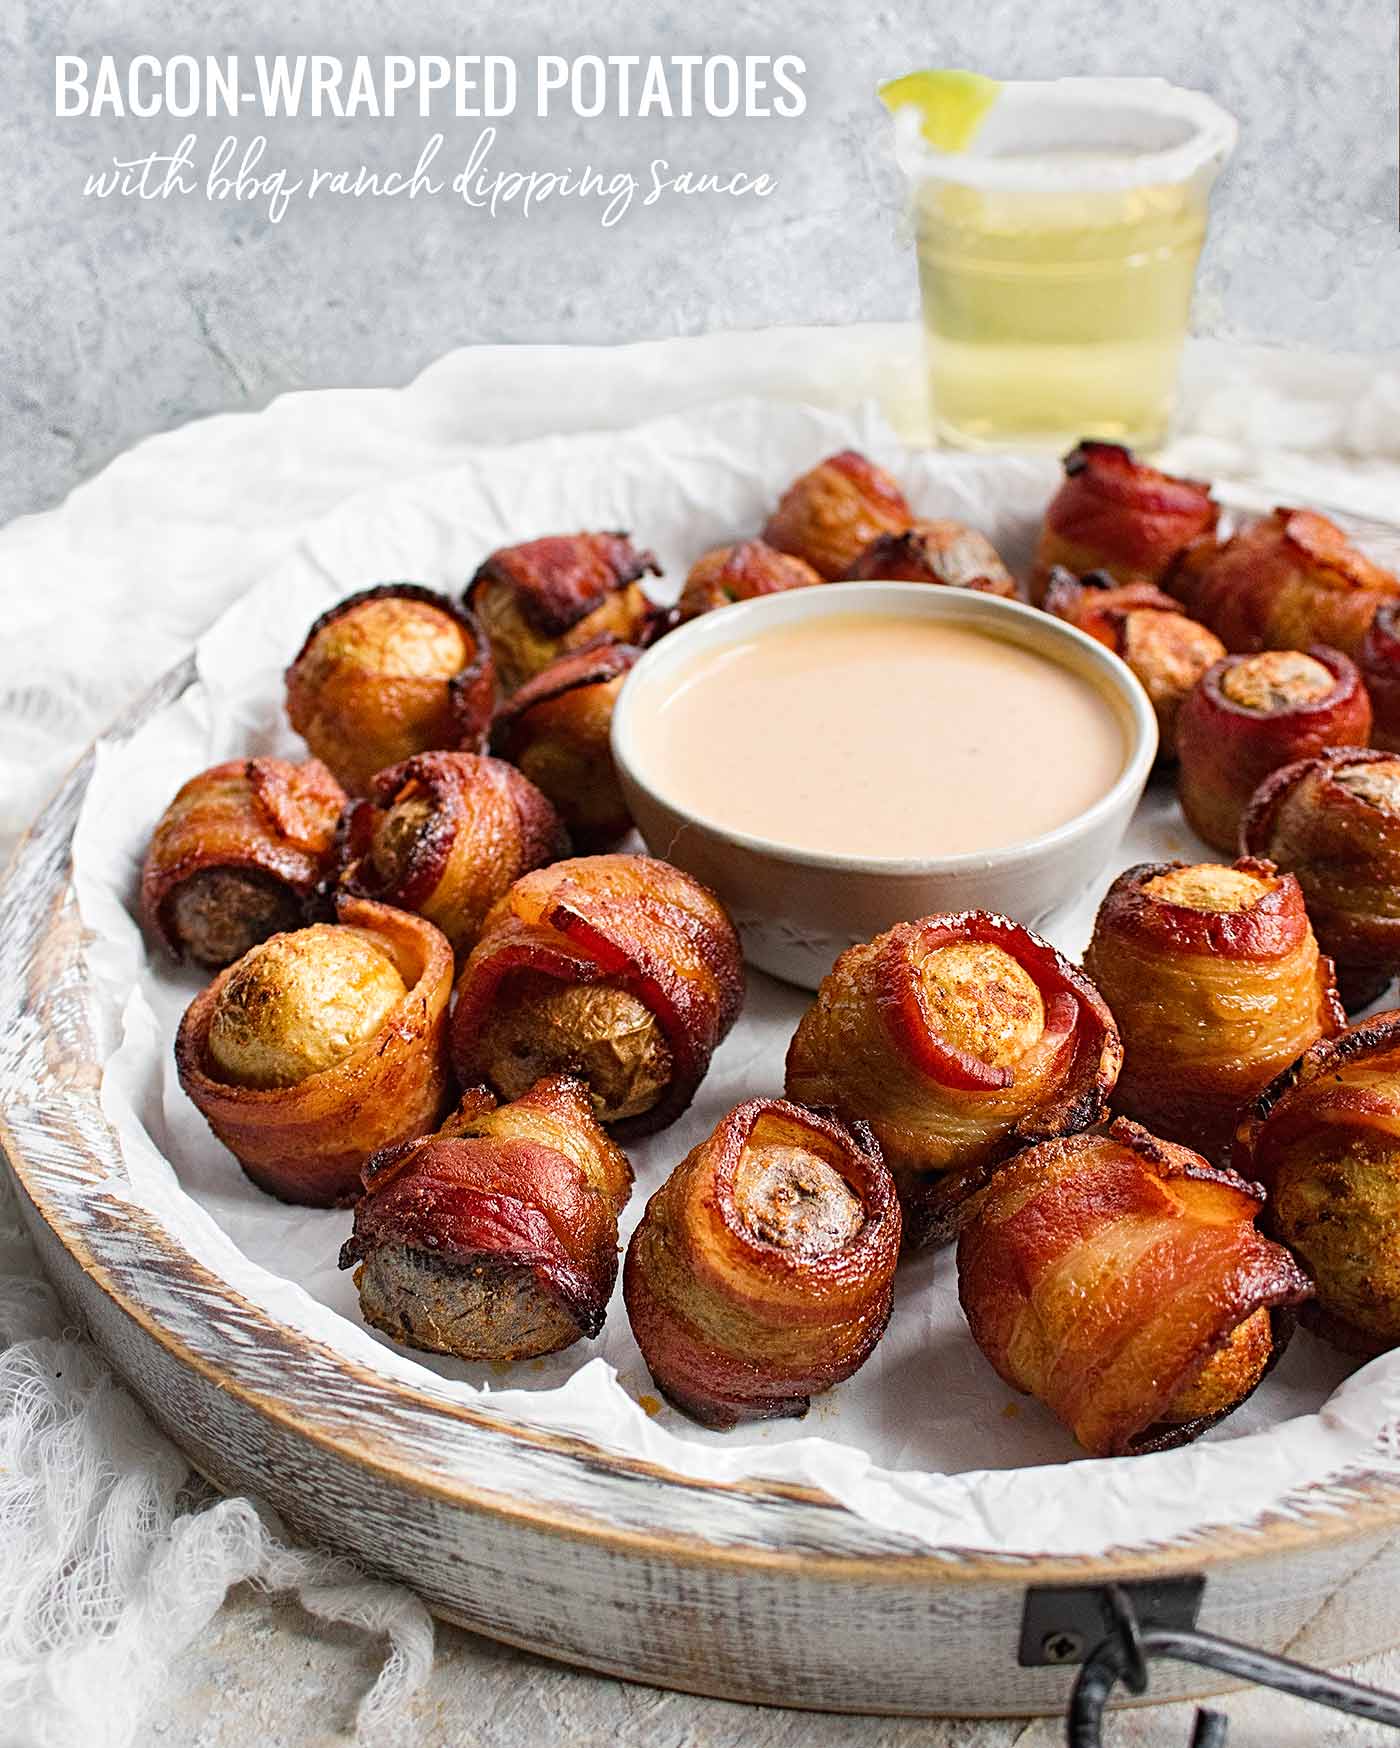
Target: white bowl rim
column 931, row 600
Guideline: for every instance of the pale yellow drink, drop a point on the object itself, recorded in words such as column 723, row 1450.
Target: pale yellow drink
column 1056, row 278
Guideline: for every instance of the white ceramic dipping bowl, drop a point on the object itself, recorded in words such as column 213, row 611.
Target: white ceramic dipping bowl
column 797, row 909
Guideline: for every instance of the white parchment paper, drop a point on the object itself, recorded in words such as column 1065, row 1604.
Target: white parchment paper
column 925, row 1439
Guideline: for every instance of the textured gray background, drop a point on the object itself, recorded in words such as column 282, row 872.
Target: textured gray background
column 120, row 319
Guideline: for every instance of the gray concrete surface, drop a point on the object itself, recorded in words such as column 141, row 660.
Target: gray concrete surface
column 118, row 319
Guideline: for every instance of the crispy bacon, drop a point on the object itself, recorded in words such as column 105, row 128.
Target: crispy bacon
column 1325, row 1141
column 558, row 593
column 878, row 1046
column 1237, row 726
column 727, row 574
column 1380, row 669
column 831, row 513
column 557, row 729
column 1290, row 580
column 1116, row 1278
column 935, row 552
column 495, row 1239
column 1148, row 630
column 446, row 834
column 360, row 717
column 1333, row 821
column 762, row 1271
column 269, row 823
column 306, row 1143
column 1213, row 996
column 629, row 923
column 1114, row 514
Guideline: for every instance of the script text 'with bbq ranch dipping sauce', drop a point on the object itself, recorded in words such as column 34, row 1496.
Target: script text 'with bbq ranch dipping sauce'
column 884, row 737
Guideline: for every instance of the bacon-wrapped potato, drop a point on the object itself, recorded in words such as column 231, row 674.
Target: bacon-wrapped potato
column 1288, row 581
column 558, row 593
column 320, row 1047
column 1115, row 514
column 762, row 1272
column 958, row 1039
column 620, row 969
column 387, row 673
column 1380, row 669
column 830, row 514
column 1145, row 628
column 727, row 574
column 1324, row 1140
column 446, row 834
column 935, row 552
column 1215, row 980
column 496, row 1238
column 237, row 856
column 558, row 729
column 1334, row 823
column 1136, row 1343
column 1249, row 715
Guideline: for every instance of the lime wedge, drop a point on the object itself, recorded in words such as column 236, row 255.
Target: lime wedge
column 951, row 101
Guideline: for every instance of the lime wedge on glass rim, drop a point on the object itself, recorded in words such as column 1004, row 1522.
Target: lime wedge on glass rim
column 952, row 103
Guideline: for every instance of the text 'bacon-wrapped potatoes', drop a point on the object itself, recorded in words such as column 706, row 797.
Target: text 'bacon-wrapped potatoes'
column 1380, row 669
column 941, row 552
column 237, row 856
column 558, row 593
column 830, row 514
column 557, row 729
column 1145, row 628
column 1288, row 581
column 1216, row 982
column 1324, row 1140
column 1136, row 1343
column 743, row 572
column 957, row 1039
column 1334, row 823
column 620, row 969
column 446, row 834
column 496, row 1238
column 387, row 673
column 1252, row 713
column 1115, row 514
column 762, row 1271
column 320, row 1047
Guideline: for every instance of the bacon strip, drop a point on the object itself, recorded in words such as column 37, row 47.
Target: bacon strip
column 306, row 1143
column 1211, row 1002
column 736, row 1326
column 1316, row 819
column 486, row 826
column 727, row 574
column 830, row 514
column 1325, row 1139
column 1380, row 669
column 363, row 721
column 559, row 579
column 257, row 816
column 1114, row 514
column 1101, row 1273
column 1227, row 750
column 1145, row 628
column 629, row 921
column 939, row 552
column 557, row 729
column 870, row 1049
column 514, row 1207
column 1290, row 580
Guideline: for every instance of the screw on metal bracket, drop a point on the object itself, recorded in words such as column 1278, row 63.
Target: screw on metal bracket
column 1129, row 1624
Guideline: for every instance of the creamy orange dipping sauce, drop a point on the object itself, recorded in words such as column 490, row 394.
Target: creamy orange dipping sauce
column 884, row 738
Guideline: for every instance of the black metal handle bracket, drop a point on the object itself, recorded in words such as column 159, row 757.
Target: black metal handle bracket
column 1115, row 1630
